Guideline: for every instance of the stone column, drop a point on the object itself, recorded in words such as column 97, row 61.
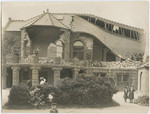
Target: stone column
column 22, row 43
column 35, row 75
column 89, row 72
column 65, row 37
column 76, row 72
column 15, row 75
column 135, row 79
column 56, row 74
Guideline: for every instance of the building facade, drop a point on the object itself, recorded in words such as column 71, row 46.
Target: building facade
column 143, row 79
column 55, row 46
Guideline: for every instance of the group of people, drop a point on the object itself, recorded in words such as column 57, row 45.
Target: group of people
column 129, row 93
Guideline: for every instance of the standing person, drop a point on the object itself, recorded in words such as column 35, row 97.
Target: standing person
column 131, row 94
column 125, row 96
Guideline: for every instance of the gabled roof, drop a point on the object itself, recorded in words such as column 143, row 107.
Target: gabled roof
column 46, row 19
column 14, row 25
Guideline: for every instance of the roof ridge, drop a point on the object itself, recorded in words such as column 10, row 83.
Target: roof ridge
column 50, row 19
column 18, row 20
column 59, row 21
column 34, row 21
column 102, row 19
column 34, row 17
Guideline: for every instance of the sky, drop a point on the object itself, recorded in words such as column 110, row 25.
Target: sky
column 133, row 13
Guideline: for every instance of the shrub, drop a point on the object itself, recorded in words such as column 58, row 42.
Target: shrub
column 142, row 100
column 78, row 91
column 39, row 94
column 19, row 95
column 84, row 91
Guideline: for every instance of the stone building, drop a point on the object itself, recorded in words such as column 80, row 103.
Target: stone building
column 58, row 45
column 143, row 78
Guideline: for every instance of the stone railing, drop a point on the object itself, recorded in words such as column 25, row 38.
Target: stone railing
column 83, row 63
column 124, row 64
column 42, row 60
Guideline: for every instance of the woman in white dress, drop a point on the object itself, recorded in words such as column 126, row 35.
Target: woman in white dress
column 42, row 80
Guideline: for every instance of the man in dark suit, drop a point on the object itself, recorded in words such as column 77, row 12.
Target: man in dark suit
column 131, row 94
column 125, row 96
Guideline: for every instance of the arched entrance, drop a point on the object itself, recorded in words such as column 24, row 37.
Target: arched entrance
column 78, row 50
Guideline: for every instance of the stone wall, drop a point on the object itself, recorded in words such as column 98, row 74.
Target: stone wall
column 143, row 81
column 87, row 41
column 113, row 72
column 65, row 38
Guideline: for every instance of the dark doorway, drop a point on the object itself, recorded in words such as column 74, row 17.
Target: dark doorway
column 66, row 73
column 48, row 74
column 25, row 75
column 9, row 78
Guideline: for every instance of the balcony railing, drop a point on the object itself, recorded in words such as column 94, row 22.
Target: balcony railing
column 124, row 64
column 83, row 63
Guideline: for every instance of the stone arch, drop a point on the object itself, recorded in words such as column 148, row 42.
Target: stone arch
column 78, row 49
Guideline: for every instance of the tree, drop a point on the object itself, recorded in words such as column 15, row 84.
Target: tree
column 10, row 45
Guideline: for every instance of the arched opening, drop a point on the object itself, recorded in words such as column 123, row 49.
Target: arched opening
column 110, row 57
column 140, row 80
column 9, row 78
column 78, row 50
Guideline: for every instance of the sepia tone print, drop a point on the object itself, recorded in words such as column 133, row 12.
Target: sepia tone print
column 75, row 61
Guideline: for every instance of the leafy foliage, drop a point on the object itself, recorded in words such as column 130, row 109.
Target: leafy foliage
column 137, row 57
column 142, row 100
column 78, row 91
column 84, row 91
column 19, row 95
column 11, row 45
column 39, row 94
